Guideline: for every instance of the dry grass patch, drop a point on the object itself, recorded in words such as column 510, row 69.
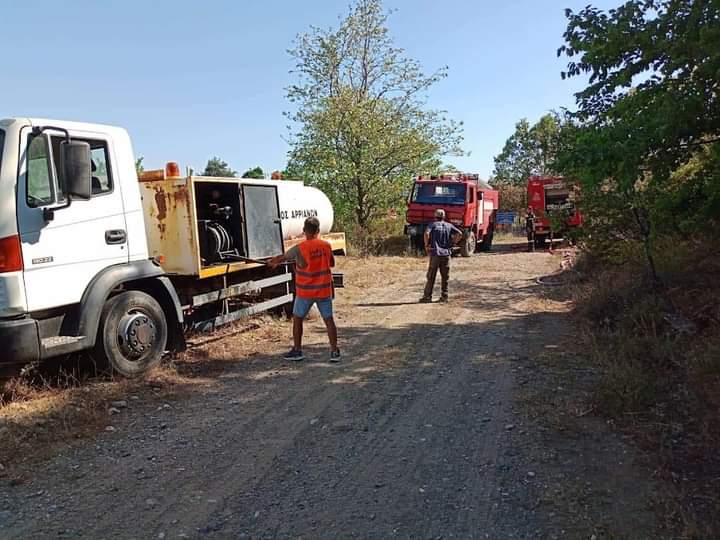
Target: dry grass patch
column 38, row 417
column 42, row 412
column 657, row 351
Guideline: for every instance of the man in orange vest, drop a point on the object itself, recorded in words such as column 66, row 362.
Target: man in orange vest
column 313, row 260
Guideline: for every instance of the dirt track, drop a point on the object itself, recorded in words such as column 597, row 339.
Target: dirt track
column 423, row 431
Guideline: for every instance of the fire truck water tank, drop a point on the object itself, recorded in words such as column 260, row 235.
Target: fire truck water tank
column 298, row 202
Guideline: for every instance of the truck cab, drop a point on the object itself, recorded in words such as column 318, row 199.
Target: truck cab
column 55, row 242
column 469, row 203
column 83, row 246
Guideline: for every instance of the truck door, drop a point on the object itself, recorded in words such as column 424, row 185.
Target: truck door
column 261, row 220
column 63, row 255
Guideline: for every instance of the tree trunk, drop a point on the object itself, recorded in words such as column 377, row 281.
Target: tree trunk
column 360, row 213
column 645, row 230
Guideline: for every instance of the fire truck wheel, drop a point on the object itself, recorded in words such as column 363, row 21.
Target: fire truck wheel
column 467, row 246
column 413, row 247
column 487, row 240
column 132, row 334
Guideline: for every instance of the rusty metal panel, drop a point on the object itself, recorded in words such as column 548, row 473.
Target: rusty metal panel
column 170, row 224
column 172, row 231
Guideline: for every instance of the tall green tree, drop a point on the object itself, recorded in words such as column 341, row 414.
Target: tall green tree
column 217, row 167
column 255, row 172
column 651, row 108
column 360, row 127
column 530, row 150
column 139, row 168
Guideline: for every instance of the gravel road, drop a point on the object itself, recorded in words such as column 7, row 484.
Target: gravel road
column 421, row 432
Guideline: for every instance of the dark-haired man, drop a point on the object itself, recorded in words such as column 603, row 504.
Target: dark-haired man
column 313, row 260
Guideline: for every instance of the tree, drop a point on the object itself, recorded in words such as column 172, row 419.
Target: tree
column 257, row 172
column 512, row 196
column 217, row 167
column 139, row 165
column 651, row 108
column 361, row 129
column 528, row 151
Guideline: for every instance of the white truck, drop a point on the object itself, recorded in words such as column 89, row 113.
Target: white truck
column 95, row 258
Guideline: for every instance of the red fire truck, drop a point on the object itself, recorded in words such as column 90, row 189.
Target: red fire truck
column 552, row 194
column 469, row 203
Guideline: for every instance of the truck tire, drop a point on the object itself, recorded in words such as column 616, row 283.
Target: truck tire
column 467, row 246
column 132, row 334
column 412, row 248
column 416, row 244
column 486, row 244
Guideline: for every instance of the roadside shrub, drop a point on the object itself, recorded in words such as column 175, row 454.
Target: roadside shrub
column 628, row 385
column 370, row 245
column 605, row 295
column 657, row 347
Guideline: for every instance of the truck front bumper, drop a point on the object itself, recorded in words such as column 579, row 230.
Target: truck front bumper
column 19, row 342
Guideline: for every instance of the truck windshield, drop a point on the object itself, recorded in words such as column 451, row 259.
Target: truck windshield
column 438, row 194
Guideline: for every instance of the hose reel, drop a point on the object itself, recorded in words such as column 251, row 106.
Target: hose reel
column 217, row 242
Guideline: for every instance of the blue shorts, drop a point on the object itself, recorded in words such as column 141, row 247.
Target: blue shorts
column 302, row 307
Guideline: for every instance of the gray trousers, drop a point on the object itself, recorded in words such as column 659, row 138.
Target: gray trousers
column 442, row 264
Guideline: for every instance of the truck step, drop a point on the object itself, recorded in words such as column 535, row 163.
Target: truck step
column 57, row 345
column 59, row 341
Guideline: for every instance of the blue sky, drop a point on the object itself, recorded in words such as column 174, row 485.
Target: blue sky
column 193, row 79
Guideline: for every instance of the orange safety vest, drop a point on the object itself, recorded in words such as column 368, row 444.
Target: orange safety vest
column 315, row 280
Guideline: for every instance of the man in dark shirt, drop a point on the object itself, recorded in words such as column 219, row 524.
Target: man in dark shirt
column 530, row 228
column 440, row 237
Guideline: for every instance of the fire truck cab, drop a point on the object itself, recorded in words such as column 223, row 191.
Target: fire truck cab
column 469, row 203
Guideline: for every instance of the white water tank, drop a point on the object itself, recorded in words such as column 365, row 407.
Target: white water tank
column 298, row 202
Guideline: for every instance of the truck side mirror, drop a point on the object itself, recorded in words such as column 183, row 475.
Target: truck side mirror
column 77, row 166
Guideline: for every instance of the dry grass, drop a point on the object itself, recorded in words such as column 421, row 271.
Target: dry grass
column 43, row 411
column 37, row 416
column 658, row 355
column 362, row 273
column 47, row 409
column 368, row 244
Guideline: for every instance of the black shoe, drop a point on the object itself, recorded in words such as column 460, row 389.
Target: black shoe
column 294, row 354
column 444, row 299
column 425, row 300
column 335, row 356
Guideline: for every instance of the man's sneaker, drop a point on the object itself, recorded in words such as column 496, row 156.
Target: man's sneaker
column 294, row 354
column 425, row 300
column 444, row 299
column 335, row 356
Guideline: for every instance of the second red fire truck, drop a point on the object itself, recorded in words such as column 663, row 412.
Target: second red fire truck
column 548, row 195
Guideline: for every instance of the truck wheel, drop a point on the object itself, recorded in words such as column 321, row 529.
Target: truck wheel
column 132, row 335
column 487, row 241
column 412, row 245
column 467, row 246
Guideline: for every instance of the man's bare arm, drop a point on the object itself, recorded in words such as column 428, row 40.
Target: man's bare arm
column 277, row 261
